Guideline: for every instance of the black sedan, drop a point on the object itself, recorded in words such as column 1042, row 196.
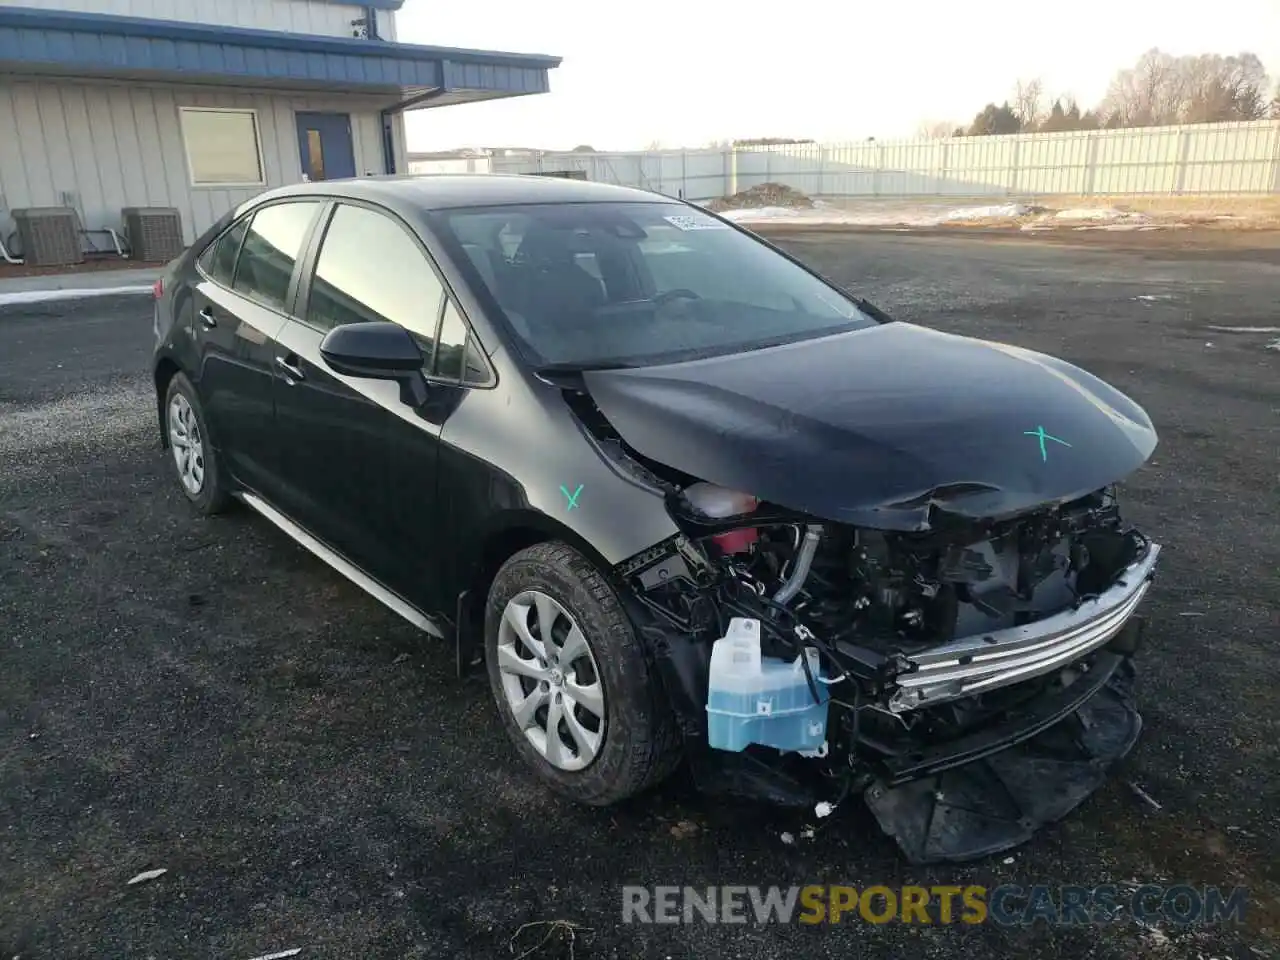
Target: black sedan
column 685, row 500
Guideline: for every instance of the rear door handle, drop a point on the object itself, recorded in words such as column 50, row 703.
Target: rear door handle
column 292, row 369
column 207, row 319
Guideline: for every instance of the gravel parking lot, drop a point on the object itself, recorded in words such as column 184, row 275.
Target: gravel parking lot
column 204, row 697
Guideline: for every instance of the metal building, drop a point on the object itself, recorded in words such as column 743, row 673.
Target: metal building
column 196, row 105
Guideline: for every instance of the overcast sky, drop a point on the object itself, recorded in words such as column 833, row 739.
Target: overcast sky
column 687, row 72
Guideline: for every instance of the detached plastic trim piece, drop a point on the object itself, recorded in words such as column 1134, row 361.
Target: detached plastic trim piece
column 999, row 801
column 1044, row 712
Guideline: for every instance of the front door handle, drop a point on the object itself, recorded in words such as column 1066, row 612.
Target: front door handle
column 207, row 319
column 292, row 369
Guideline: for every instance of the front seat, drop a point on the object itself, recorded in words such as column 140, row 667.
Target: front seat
column 552, row 282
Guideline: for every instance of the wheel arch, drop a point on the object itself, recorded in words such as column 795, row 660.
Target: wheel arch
column 511, row 532
column 166, row 369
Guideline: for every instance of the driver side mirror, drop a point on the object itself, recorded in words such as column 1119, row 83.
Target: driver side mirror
column 378, row 350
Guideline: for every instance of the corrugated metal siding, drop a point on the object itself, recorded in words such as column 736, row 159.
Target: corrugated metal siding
column 86, row 45
column 1212, row 158
column 112, row 146
column 295, row 16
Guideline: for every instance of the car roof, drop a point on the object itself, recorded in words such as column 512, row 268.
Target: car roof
column 447, row 190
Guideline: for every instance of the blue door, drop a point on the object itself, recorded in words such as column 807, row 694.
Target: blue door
column 324, row 143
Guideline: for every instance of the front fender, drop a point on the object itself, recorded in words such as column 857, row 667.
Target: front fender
column 567, row 483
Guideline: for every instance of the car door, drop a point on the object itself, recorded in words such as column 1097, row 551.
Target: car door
column 351, row 450
column 245, row 287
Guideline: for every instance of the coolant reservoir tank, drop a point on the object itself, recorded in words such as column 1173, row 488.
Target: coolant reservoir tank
column 719, row 502
column 713, row 501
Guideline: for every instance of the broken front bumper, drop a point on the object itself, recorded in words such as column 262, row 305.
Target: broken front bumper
column 980, row 663
column 992, row 790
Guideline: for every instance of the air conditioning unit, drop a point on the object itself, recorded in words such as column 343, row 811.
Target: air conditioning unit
column 50, row 236
column 155, row 233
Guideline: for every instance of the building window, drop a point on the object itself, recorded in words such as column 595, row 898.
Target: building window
column 223, row 147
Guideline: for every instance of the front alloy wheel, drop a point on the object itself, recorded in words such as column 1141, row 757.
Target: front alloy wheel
column 575, row 685
column 551, row 680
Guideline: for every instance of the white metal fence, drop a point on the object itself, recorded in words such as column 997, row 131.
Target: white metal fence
column 1217, row 158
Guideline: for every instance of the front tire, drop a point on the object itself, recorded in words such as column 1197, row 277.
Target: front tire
column 577, row 693
column 191, row 454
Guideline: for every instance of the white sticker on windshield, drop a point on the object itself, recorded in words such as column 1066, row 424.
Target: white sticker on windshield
column 687, row 222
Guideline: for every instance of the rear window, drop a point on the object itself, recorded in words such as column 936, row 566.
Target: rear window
column 219, row 261
column 637, row 283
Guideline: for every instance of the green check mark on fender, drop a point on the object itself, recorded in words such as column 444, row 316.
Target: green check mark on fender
column 571, row 497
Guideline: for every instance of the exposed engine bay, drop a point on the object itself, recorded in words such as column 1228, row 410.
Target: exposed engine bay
column 971, row 678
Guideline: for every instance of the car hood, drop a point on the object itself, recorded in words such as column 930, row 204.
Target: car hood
column 881, row 427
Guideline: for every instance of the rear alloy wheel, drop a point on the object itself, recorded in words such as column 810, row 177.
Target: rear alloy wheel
column 194, row 459
column 578, row 695
column 187, row 445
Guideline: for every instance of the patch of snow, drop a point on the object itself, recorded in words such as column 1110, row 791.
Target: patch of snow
column 1002, row 211
column 1098, row 213
column 41, row 296
column 919, row 217
column 823, row 809
column 1273, row 345
column 763, row 213
column 1244, row 329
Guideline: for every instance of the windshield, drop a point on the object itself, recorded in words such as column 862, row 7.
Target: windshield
column 629, row 284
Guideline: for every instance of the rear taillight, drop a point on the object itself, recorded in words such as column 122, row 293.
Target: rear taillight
column 157, row 288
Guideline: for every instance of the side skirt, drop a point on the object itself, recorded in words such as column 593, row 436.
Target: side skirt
column 353, row 573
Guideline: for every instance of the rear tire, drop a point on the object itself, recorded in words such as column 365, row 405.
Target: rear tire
column 604, row 665
column 191, row 454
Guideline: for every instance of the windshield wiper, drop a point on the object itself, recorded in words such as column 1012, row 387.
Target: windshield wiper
column 871, row 310
column 585, row 367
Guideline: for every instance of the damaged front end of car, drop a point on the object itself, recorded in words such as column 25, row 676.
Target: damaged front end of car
column 889, row 578
column 969, row 676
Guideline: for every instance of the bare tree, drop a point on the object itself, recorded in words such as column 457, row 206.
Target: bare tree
column 936, row 129
column 1163, row 89
column 1147, row 95
column 1225, row 88
column 1028, row 102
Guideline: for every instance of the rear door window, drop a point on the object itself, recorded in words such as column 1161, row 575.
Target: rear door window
column 270, row 251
